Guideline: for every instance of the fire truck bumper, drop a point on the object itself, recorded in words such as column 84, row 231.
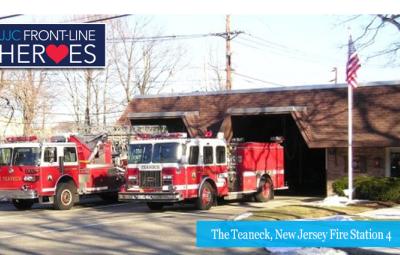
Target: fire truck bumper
column 18, row 194
column 154, row 197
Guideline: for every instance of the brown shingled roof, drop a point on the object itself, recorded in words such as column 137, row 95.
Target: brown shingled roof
column 323, row 122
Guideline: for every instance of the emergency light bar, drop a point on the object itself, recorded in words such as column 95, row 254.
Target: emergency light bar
column 14, row 139
column 58, row 139
column 277, row 139
column 159, row 136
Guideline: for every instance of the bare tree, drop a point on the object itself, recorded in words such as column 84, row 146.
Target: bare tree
column 372, row 30
column 88, row 95
column 105, row 97
column 29, row 91
column 216, row 79
column 7, row 111
column 88, row 78
column 133, row 67
column 74, row 94
column 83, row 94
column 143, row 65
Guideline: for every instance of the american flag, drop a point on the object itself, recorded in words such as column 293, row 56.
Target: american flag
column 353, row 64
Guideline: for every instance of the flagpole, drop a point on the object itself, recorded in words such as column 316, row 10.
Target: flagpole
column 350, row 141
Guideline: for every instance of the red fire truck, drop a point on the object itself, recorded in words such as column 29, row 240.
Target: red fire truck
column 173, row 168
column 56, row 172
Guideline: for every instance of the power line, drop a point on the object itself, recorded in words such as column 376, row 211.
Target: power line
column 257, row 79
column 284, row 48
column 10, row 16
column 83, row 19
column 173, row 37
column 75, row 20
column 109, row 18
column 279, row 52
column 267, row 41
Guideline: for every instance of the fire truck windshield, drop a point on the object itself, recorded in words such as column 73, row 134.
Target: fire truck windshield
column 159, row 153
column 165, row 153
column 5, row 156
column 26, row 156
column 139, row 153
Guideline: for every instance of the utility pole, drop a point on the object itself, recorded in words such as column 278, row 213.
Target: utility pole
column 228, row 54
column 88, row 80
column 229, row 36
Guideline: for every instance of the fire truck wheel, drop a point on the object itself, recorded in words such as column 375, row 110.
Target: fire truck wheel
column 206, row 198
column 265, row 191
column 23, row 204
column 64, row 198
column 155, row 206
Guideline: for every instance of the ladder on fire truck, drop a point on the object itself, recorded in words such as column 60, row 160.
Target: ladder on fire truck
column 121, row 135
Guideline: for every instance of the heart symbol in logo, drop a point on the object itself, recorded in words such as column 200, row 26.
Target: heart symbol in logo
column 57, row 53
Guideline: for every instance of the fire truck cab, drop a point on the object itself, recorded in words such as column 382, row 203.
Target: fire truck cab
column 173, row 168
column 56, row 172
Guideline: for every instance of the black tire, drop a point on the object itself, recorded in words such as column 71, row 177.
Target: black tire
column 155, row 206
column 65, row 196
column 23, row 204
column 221, row 201
column 207, row 197
column 265, row 191
column 110, row 197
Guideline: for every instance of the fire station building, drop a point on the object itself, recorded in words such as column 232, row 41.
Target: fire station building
column 312, row 120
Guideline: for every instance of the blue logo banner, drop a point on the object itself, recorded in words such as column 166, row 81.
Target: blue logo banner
column 298, row 234
column 52, row 45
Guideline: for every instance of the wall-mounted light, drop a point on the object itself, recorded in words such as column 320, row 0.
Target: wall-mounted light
column 377, row 162
column 332, row 152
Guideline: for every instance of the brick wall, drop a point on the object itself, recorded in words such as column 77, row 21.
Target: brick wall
column 371, row 162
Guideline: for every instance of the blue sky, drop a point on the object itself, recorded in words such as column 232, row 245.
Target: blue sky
column 282, row 49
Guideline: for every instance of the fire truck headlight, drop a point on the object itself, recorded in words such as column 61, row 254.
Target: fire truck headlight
column 167, row 179
column 132, row 180
column 167, row 188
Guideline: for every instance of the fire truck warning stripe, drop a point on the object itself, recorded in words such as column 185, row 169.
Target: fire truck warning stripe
column 183, row 187
column 195, row 186
column 220, row 184
column 253, row 173
column 249, row 173
column 97, row 188
column 276, row 171
column 48, row 189
column 90, row 166
column 87, row 189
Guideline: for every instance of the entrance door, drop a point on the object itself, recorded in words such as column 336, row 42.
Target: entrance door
column 395, row 164
column 50, row 170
